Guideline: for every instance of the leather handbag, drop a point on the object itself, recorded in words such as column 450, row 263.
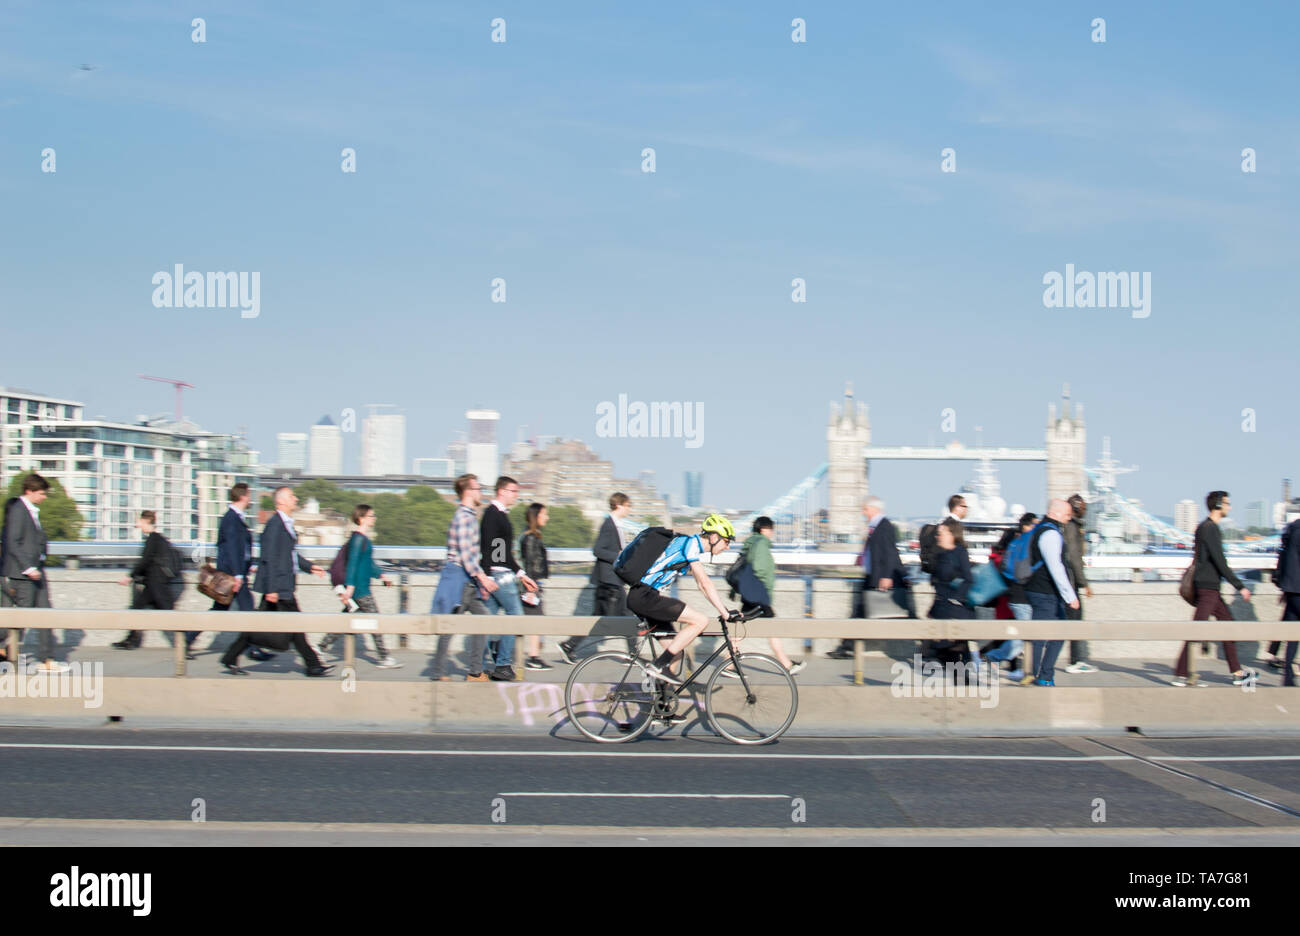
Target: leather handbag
column 219, row 586
column 1187, row 586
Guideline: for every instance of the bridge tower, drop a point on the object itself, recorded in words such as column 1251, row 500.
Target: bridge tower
column 1066, row 450
column 847, row 433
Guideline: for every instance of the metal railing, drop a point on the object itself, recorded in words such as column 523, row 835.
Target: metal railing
column 857, row 629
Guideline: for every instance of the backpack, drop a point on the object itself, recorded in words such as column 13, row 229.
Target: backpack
column 339, row 567
column 170, row 562
column 639, row 555
column 929, row 546
column 1016, row 566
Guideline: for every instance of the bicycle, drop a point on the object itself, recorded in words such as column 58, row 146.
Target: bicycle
column 610, row 697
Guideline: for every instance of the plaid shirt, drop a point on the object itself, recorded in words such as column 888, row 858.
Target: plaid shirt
column 463, row 542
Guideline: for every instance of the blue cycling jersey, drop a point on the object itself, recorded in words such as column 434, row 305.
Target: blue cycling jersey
column 680, row 549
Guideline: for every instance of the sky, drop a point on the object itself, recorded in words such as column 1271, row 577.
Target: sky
column 774, row 160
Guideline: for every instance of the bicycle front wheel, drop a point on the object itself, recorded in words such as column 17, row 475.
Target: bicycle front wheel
column 756, row 711
column 608, row 698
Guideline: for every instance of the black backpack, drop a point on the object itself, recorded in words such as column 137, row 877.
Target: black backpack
column 929, row 546
column 639, row 555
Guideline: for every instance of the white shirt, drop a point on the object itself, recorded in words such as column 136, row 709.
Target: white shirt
column 288, row 522
column 36, row 518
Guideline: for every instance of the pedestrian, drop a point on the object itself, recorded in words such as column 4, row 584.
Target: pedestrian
column 1049, row 590
column 497, row 538
column 1211, row 569
column 23, row 544
column 533, row 552
column 277, row 582
column 952, row 579
column 1013, row 605
column 757, row 551
column 150, row 577
column 611, row 599
column 360, row 569
column 463, row 585
column 1287, row 578
column 235, row 558
column 882, row 569
column 1075, row 546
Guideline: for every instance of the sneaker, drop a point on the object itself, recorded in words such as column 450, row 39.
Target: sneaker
column 1015, row 675
column 666, row 677
column 536, row 663
column 389, row 663
column 1027, row 680
column 797, row 667
column 566, row 652
column 677, row 718
column 1081, row 667
column 1182, row 682
column 503, row 674
column 1045, row 682
column 1276, row 662
column 53, row 667
column 476, row 677
column 1248, row 677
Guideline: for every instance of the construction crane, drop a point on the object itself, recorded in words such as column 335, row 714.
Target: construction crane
column 180, row 385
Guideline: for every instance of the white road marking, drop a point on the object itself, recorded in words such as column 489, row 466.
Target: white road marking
column 781, row 796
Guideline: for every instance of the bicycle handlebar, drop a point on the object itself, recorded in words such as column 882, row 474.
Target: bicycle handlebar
column 757, row 612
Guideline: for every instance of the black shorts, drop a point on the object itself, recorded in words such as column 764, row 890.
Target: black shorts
column 659, row 611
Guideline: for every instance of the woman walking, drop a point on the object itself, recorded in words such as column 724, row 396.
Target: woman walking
column 533, row 551
column 361, row 569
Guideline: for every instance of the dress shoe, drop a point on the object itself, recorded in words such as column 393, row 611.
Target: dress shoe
column 503, row 674
column 127, row 644
column 234, row 670
column 319, row 670
column 257, row 653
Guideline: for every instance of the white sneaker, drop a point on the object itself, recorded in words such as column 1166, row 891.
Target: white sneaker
column 53, row 667
column 657, row 673
column 1081, row 667
column 389, row 663
column 797, row 666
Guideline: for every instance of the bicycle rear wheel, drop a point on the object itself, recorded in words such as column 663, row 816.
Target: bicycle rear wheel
column 606, row 700
column 758, row 716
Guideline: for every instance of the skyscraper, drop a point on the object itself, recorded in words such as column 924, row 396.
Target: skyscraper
column 383, row 442
column 326, row 448
column 1185, row 513
column 694, row 488
column 291, row 450
column 481, row 457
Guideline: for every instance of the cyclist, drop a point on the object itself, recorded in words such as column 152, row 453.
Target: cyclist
column 660, row 611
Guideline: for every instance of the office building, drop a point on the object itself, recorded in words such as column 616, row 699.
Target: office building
column 694, row 488
column 1186, row 515
column 326, row 448
column 434, row 467
column 481, row 456
column 383, row 442
column 291, row 450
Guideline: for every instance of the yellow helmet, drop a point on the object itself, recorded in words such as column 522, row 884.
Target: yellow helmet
column 717, row 523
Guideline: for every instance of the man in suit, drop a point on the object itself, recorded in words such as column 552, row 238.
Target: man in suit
column 882, row 569
column 23, row 544
column 276, row 580
column 611, row 599
column 1287, row 578
column 235, row 557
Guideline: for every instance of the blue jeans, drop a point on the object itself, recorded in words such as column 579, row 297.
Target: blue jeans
column 455, row 587
column 505, row 598
column 1046, row 608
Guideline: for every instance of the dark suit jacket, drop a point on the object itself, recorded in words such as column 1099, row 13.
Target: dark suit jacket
column 1287, row 574
column 235, row 545
column 23, row 541
column 882, row 545
column 275, row 572
column 606, row 550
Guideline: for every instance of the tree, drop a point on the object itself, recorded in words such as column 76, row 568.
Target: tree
column 60, row 518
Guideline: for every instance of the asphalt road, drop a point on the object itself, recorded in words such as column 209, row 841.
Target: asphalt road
column 464, row 786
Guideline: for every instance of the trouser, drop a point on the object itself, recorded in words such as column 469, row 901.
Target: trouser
column 457, row 590
column 150, row 596
column 25, row 593
column 1292, row 613
column 500, row 650
column 297, row 640
column 243, row 601
column 611, row 601
column 1046, row 608
column 1078, row 648
column 901, row 595
column 366, row 605
column 1210, row 602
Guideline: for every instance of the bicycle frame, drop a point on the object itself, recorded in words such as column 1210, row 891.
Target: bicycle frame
column 726, row 645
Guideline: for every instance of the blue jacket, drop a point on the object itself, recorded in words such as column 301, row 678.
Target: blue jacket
column 234, row 545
